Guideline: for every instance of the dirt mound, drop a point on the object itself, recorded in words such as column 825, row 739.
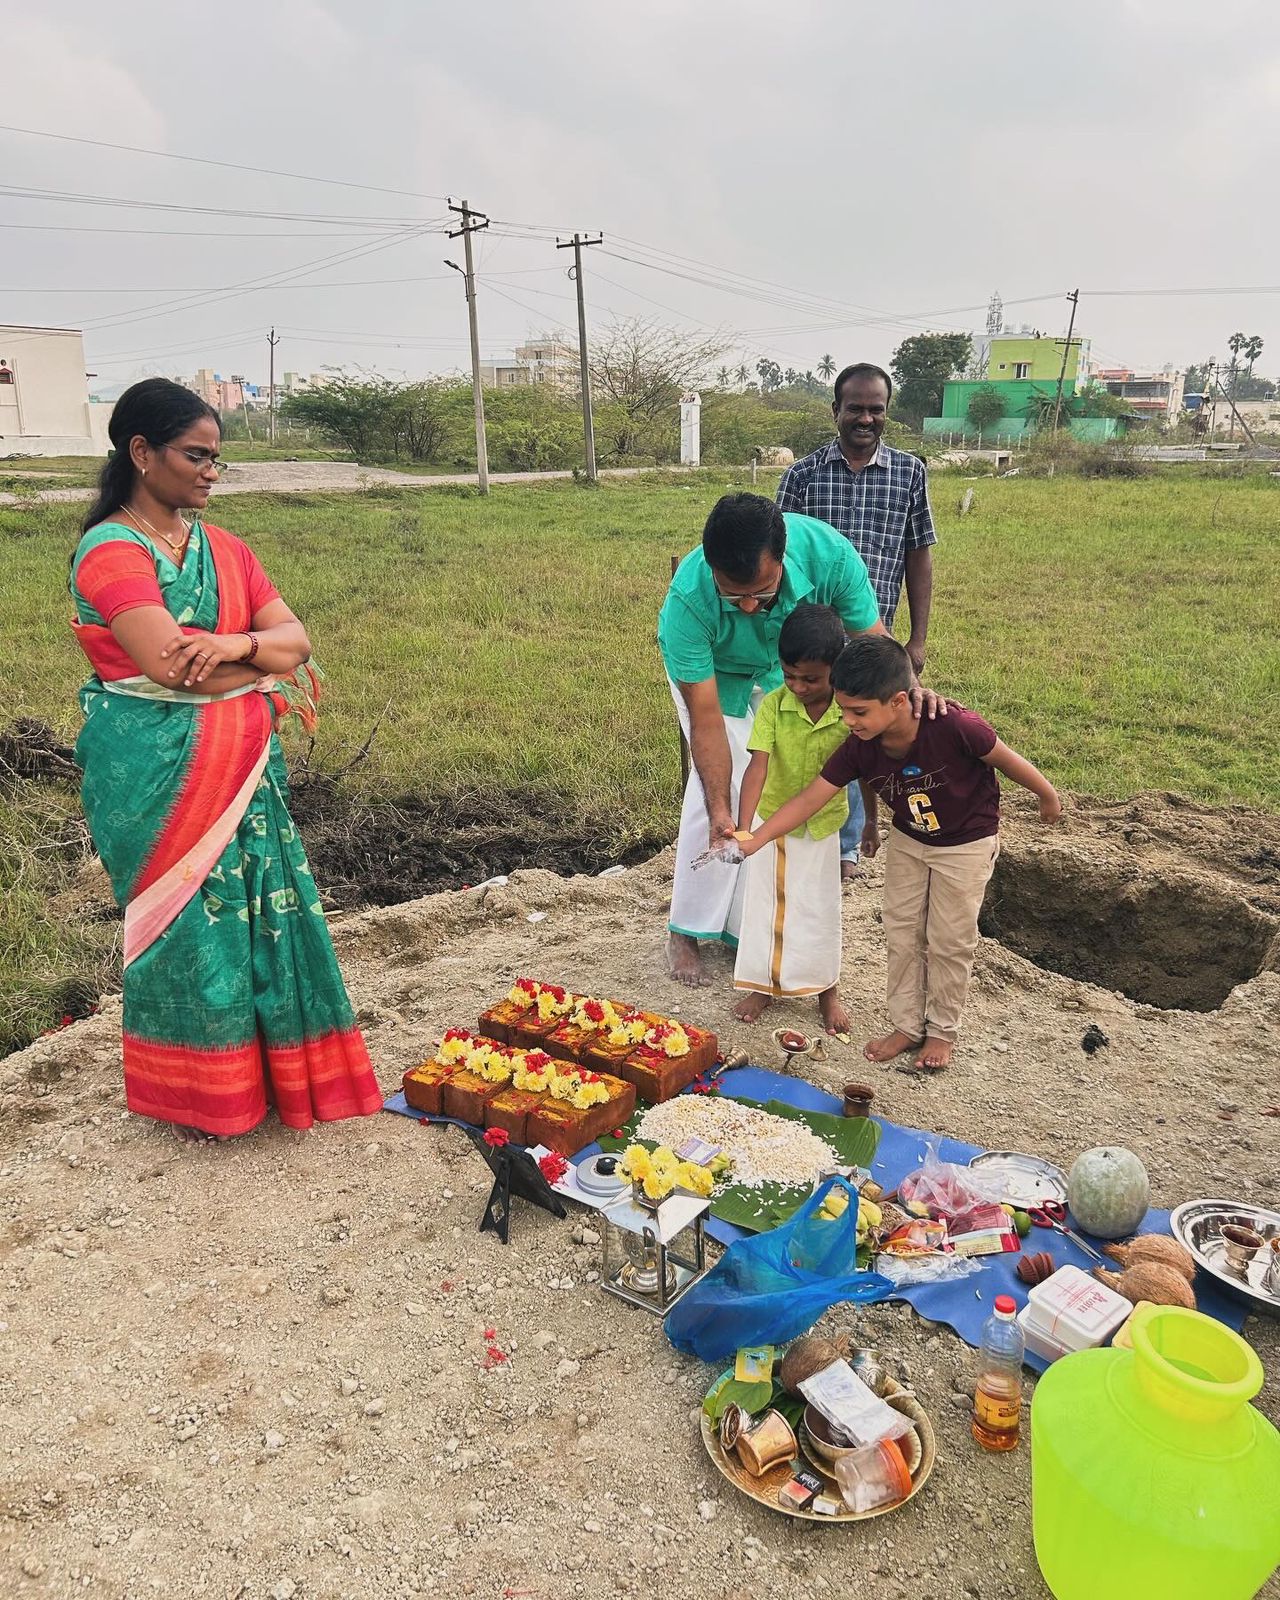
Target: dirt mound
column 383, row 852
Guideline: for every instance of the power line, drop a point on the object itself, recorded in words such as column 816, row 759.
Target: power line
column 343, row 283
column 125, row 203
column 251, row 285
column 190, row 233
column 206, row 161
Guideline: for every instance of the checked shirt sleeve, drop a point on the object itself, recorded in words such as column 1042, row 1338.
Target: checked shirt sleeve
column 791, row 489
column 920, row 530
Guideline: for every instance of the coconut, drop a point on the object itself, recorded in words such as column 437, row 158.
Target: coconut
column 1149, row 1280
column 1108, row 1192
column 805, row 1357
column 1154, row 1247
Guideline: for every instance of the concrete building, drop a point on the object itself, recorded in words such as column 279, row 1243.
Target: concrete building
column 1027, row 356
column 223, row 394
column 44, row 395
column 300, row 383
column 543, row 360
column 1220, row 423
column 1153, row 396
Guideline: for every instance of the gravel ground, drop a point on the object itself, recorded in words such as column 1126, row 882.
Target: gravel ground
column 258, row 1369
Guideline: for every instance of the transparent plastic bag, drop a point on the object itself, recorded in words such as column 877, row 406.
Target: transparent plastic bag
column 904, row 1272
column 947, row 1189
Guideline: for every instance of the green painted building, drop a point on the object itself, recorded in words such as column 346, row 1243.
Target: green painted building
column 1029, row 358
column 1024, row 404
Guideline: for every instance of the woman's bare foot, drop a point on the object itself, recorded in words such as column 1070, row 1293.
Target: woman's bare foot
column 835, row 1019
column 890, row 1045
column 195, row 1135
column 752, row 1006
column 936, row 1055
column 685, row 961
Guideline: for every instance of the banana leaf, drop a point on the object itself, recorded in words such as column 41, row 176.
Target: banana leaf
column 855, row 1140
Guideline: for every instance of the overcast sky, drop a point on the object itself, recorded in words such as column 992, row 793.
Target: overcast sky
column 859, row 173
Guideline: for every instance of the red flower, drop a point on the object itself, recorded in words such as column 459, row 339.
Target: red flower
column 491, row 1334
column 555, row 991
column 497, row 1137
column 536, row 1060
column 447, row 1286
column 66, row 1022
column 593, row 1011
column 527, row 984
column 553, row 1166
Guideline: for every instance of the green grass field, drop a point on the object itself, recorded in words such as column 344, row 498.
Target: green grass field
column 1121, row 634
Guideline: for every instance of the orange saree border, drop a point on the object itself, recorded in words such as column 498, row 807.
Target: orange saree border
column 224, row 1090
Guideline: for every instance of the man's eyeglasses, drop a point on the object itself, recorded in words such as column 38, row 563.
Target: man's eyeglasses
column 762, row 597
column 197, row 458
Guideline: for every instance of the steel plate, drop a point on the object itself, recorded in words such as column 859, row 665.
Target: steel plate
column 1199, row 1224
column 1028, row 1180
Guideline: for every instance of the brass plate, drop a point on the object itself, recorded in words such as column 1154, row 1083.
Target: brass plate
column 764, row 1490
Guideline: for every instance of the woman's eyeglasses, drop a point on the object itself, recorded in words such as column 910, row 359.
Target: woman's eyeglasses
column 197, row 458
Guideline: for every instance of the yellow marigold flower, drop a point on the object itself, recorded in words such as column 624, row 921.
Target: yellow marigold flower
column 665, row 1159
column 657, row 1185
column 636, row 1163
column 454, row 1049
column 696, row 1179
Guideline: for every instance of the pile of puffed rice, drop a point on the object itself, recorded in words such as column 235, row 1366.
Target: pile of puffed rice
column 763, row 1148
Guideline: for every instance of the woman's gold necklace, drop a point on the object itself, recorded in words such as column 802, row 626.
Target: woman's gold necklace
column 179, row 550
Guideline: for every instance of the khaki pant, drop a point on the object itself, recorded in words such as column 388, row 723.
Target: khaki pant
column 932, row 896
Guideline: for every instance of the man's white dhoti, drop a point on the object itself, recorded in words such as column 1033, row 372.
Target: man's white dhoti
column 790, row 938
column 707, row 904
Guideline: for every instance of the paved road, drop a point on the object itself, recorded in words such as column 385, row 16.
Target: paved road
column 330, row 477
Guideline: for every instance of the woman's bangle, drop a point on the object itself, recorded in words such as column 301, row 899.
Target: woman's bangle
column 253, row 647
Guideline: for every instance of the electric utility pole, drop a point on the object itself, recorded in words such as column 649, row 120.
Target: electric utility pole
column 273, row 339
column 576, row 244
column 1074, row 298
column 469, row 226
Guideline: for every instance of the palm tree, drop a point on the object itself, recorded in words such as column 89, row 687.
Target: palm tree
column 826, row 367
column 1252, row 350
column 722, row 377
column 1235, row 344
column 743, row 374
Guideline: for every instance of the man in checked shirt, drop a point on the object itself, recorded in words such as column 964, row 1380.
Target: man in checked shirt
column 879, row 499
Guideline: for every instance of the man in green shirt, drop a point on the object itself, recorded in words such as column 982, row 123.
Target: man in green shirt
column 718, row 633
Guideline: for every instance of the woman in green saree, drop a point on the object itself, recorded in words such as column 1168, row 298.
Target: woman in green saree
column 232, row 994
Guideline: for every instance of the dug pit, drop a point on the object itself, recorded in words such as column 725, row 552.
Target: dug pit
column 1162, row 936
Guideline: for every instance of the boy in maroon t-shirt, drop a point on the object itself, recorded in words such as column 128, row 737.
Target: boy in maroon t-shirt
column 938, row 778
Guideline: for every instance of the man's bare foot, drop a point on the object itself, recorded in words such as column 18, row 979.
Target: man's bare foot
column 936, row 1055
column 686, row 962
column 752, row 1006
column 850, row 871
column 890, row 1045
column 835, row 1019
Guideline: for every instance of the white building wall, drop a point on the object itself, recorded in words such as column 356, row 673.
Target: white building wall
column 47, row 404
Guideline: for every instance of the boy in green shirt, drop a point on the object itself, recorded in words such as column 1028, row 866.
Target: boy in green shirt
column 790, row 938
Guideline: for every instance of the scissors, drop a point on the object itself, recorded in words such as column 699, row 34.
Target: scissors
column 1053, row 1214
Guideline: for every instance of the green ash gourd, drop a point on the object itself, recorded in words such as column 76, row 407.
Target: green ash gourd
column 1108, row 1192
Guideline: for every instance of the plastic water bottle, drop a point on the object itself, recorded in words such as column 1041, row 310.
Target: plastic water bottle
column 997, row 1394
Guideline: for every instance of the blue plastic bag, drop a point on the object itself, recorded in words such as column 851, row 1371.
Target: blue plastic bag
column 774, row 1286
